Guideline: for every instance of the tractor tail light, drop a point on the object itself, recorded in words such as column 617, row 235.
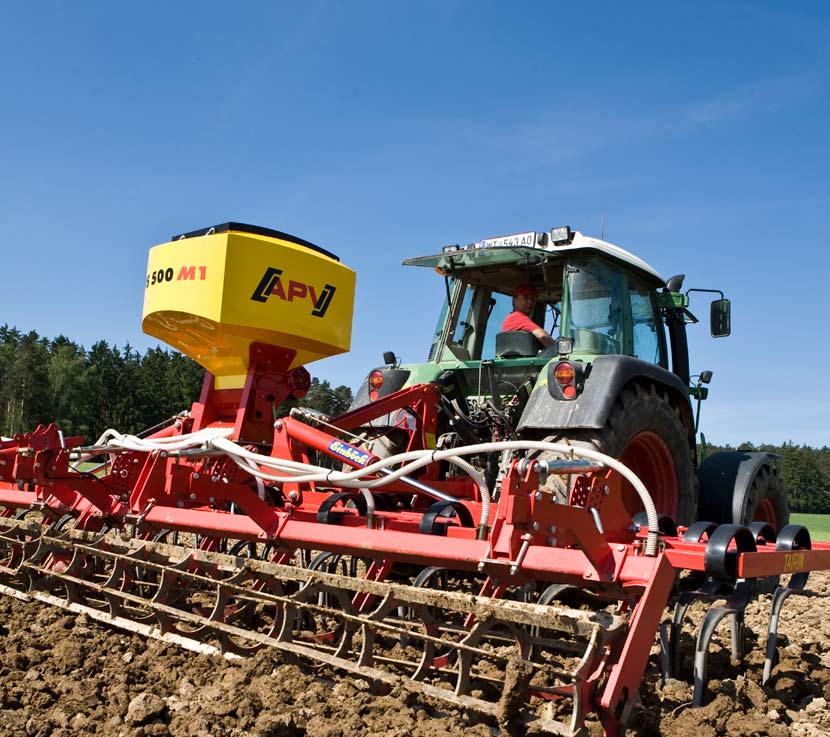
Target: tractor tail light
column 375, row 383
column 564, row 373
column 375, row 380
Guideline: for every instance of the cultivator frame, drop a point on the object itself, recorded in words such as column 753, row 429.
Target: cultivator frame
column 356, row 569
column 222, row 530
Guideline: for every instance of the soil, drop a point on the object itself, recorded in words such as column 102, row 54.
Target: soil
column 63, row 675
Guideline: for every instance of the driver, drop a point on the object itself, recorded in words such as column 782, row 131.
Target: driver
column 524, row 299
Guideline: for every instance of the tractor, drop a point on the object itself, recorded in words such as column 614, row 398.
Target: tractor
column 616, row 378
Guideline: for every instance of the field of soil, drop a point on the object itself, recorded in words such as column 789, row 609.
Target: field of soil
column 62, row 675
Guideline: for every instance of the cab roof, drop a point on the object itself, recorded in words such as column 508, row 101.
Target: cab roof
column 454, row 260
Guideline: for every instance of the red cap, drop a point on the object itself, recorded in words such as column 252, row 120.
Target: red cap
column 526, row 288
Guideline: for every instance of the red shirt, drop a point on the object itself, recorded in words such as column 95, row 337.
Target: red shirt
column 518, row 321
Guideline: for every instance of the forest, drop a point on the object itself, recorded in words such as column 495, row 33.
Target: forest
column 88, row 391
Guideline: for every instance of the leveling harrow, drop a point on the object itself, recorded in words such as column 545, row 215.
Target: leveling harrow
column 231, row 528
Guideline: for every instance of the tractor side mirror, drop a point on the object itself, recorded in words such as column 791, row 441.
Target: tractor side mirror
column 720, row 318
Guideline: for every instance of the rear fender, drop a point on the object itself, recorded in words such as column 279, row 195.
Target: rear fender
column 393, row 379
column 604, row 379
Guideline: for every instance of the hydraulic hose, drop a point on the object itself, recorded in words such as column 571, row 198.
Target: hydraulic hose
column 218, row 438
column 416, row 459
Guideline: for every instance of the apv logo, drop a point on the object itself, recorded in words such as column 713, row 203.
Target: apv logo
column 272, row 284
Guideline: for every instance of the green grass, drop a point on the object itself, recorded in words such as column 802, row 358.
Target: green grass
column 817, row 524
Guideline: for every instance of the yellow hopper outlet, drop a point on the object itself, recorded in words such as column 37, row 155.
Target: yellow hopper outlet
column 212, row 293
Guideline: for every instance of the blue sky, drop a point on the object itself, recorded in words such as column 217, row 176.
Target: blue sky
column 385, row 130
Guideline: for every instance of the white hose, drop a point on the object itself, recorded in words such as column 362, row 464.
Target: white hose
column 112, row 440
column 483, row 490
column 218, row 438
column 416, row 459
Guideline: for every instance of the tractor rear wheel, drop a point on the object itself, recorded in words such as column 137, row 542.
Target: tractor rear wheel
column 767, row 501
column 644, row 431
column 741, row 487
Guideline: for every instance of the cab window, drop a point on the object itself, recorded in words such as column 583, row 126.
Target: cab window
column 647, row 327
column 596, row 315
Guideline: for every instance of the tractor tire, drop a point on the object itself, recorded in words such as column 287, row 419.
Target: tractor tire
column 644, row 431
column 739, row 488
column 766, row 500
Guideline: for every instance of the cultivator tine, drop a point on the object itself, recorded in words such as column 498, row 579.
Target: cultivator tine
column 734, row 607
column 791, row 538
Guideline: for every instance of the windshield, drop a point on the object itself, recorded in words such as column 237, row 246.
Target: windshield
column 595, row 315
column 613, row 311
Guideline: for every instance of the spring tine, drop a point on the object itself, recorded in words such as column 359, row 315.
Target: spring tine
column 676, row 629
column 735, row 606
column 795, row 586
column 738, row 639
column 665, row 651
column 704, row 635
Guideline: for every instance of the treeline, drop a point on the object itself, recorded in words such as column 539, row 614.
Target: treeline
column 88, row 391
column 805, row 471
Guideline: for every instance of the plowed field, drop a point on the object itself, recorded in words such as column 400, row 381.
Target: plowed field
column 62, row 675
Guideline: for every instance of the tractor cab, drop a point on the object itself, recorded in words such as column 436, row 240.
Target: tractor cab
column 592, row 297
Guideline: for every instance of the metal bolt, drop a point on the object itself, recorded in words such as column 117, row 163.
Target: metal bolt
column 278, row 425
column 135, row 460
column 534, row 526
column 37, row 465
column 552, row 529
column 538, row 496
column 606, row 490
column 193, row 497
column 293, row 496
column 481, row 567
column 621, row 548
column 195, row 475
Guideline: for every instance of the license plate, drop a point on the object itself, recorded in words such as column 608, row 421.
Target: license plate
column 507, row 241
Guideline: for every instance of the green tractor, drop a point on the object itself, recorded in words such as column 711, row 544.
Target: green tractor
column 613, row 375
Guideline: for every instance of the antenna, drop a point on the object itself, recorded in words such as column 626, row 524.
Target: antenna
column 602, row 226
